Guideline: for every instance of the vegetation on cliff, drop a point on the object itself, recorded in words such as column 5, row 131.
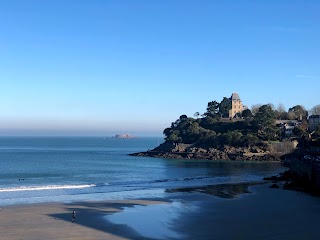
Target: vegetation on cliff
column 250, row 127
column 252, row 135
column 213, row 131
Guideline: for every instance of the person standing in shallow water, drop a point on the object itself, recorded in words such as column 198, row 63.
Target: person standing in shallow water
column 73, row 216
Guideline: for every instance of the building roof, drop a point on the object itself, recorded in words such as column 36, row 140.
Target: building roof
column 235, row 96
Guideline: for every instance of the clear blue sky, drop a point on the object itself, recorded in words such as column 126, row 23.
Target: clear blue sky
column 105, row 67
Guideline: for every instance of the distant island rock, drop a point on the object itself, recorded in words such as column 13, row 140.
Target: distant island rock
column 125, row 136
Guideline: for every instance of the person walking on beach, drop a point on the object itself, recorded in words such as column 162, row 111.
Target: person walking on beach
column 73, row 216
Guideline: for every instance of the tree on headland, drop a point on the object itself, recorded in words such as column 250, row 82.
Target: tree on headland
column 273, row 107
column 184, row 129
column 174, row 137
column 281, row 113
column 218, row 110
column 183, row 118
column 247, row 113
column 264, row 123
column 212, row 109
column 315, row 110
column 265, row 116
column 281, row 108
column 209, row 120
column 298, row 112
column 299, row 132
column 316, row 133
column 255, row 108
column 224, row 107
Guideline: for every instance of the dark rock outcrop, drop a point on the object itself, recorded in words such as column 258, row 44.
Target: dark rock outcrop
column 188, row 151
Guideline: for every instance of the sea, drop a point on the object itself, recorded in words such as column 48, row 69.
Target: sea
column 68, row 169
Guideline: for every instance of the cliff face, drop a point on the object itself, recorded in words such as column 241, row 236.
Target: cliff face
column 189, row 151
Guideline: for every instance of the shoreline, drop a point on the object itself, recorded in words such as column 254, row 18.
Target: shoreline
column 241, row 211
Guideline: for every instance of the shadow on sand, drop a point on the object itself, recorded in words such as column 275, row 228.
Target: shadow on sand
column 93, row 215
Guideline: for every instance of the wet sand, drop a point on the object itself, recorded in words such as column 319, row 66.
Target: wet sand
column 264, row 213
column 227, row 212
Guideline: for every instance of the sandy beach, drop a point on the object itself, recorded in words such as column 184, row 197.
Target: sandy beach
column 259, row 213
column 53, row 221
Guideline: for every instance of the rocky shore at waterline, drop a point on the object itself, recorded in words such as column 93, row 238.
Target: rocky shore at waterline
column 188, row 151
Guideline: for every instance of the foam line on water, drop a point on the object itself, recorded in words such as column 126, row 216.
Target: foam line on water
column 47, row 187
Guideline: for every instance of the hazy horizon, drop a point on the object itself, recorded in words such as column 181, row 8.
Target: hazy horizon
column 99, row 68
column 76, row 133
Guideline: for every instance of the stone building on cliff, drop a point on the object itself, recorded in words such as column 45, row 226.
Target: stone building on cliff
column 237, row 106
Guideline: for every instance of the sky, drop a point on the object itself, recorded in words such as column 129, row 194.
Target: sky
column 98, row 68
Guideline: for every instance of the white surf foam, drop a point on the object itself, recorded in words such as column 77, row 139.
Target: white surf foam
column 46, row 187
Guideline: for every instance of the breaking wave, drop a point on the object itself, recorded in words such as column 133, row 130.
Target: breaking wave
column 46, row 187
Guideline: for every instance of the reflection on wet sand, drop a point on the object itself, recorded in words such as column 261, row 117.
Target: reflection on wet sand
column 220, row 190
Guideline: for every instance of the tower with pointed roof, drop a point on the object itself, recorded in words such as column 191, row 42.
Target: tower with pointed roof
column 236, row 105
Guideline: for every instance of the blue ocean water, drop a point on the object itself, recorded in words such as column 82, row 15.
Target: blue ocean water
column 44, row 169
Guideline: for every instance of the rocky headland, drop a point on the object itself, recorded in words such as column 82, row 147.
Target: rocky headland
column 263, row 135
column 189, row 151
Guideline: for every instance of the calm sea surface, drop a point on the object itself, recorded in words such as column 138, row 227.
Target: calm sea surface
column 74, row 168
